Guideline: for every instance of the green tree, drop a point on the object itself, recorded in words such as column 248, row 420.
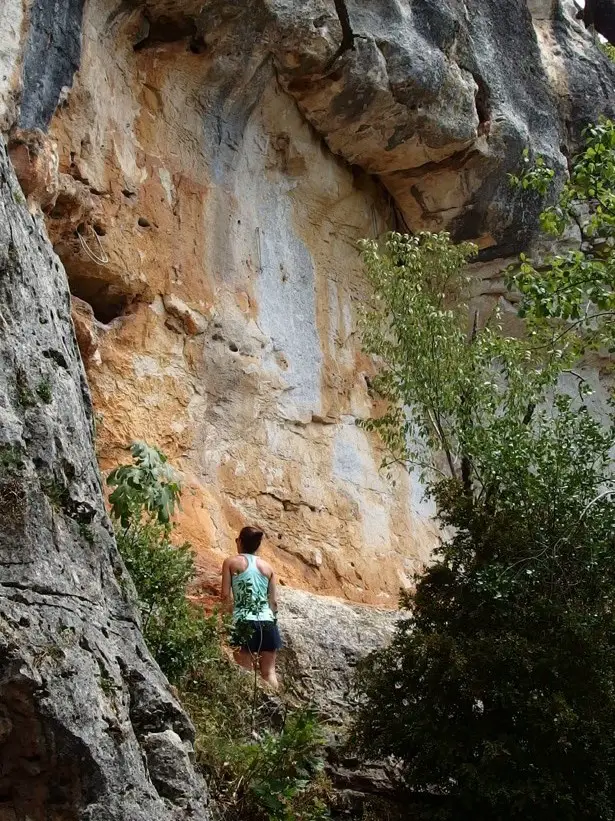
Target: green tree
column 447, row 381
column 571, row 296
column 496, row 697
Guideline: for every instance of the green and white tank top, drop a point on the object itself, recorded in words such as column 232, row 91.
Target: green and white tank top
column 250, row 590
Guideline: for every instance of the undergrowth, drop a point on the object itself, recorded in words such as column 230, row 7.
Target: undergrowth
column 262, row 760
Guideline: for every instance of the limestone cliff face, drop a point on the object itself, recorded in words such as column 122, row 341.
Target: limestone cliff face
column 206, row 169
column 88, row 726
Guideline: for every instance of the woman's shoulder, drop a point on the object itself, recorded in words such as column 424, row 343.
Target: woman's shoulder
column 264, row 567
column 236, row 564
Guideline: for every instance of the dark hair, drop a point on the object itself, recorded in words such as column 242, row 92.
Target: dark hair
column 250, row 539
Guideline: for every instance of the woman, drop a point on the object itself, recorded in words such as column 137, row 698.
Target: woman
column 251, row 581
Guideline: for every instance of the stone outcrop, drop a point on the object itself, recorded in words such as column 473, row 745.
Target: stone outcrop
column 88, row 726
column 439, row 98
column 324, row 639
column 205, row 171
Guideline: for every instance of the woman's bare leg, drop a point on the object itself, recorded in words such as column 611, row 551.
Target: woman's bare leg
column 267, row 666
column 244, row 659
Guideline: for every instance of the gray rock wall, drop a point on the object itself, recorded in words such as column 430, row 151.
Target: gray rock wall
column 51, row 57
column 439, row 99
column 88, row 727
column 324, row 638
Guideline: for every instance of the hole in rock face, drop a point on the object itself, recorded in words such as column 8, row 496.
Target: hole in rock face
column 482, row 100
column 143, row 223
column 63, row 206
column 233, row 347
column 107, row 301
column 198, row 45
column 168, row 30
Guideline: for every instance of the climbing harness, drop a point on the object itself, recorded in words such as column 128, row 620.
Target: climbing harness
column 99, row 260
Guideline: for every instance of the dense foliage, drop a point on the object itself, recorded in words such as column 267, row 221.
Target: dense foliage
column 575, row 291
column 497, row 694
column 496, row 698
column 254, row 771
column 144, row 498
column 447, row 384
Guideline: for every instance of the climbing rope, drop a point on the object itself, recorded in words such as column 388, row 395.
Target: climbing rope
column 99, row 260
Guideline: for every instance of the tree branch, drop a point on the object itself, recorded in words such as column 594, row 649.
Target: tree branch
column 571, row 328
column 528, row 413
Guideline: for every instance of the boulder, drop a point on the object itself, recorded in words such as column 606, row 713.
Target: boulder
column 324, row 638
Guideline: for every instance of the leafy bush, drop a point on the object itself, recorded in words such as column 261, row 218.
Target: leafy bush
column 149, row 487
column 177, row 632
column 575, row 291
column 277, row 776
column 497, row 690
column 496, row 697
column 261, row 774
column 180, row 637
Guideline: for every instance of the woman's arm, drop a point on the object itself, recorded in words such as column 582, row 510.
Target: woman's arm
column 227, row 597
column 271, row 593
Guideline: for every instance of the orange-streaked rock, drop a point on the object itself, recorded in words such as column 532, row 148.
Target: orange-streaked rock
column 225, row 330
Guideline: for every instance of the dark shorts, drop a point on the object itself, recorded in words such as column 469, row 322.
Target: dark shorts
column 257, row 636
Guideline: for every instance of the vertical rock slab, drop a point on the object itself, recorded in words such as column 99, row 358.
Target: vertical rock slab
column 88, row 726
column 51, row 57
column 324, row 639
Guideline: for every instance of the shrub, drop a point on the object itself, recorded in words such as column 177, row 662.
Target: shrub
column 276, row 776
column 497, row 692
column 149, row 488
column 180, row 637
